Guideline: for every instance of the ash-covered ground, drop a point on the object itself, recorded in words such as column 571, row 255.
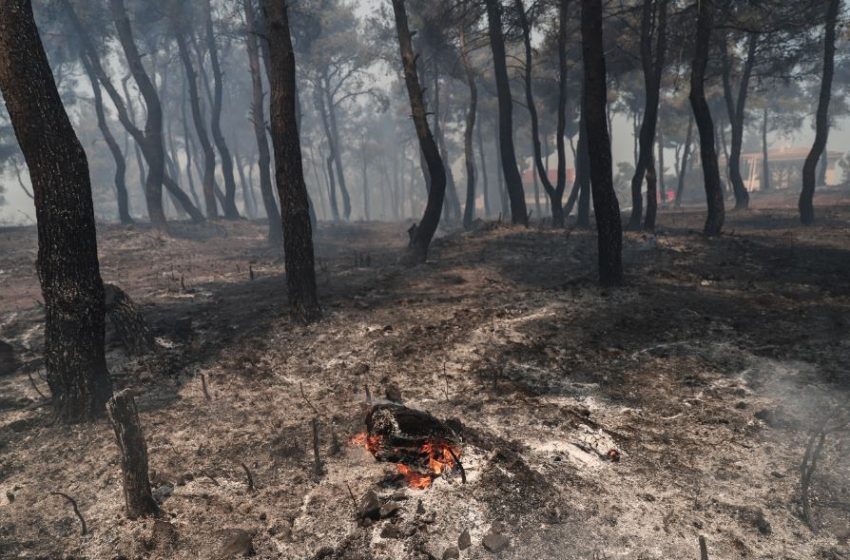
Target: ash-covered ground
column 705, row 377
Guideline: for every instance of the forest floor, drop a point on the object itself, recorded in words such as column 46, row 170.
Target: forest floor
column 706, row 374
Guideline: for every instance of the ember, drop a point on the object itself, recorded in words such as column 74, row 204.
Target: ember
column 421, row 446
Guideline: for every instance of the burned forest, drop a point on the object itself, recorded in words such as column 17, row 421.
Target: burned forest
column 424, row 279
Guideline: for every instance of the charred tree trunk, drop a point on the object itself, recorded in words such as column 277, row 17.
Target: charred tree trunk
column 735, row 107
column 323, row 114
column 134, row 455
column 583, row 175
column 128, row 321
column 247, row 188
column 67, row 263
column 229, row 207
column 765, row 162
column 153, row 145
column 424, row 232
column 705, row 124
column 651, row 196
column 806, row 203
column 187, row 149
column 469, row 154
column 595, row 100
column 258, row 120
column 121, row 197
column 451, row 206
column 662, row 184
column 554, row 192
column 653, row 68
column 294, row 202
column 208, row 185
column 683, row 170
column 343, row 188
column 485, row 186
column 513, row 180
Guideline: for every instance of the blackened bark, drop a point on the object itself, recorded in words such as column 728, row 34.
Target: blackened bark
column 605, row 205
column 294, row 202
column 117, row 155
column 337, row 147
column 662, row 184
column 469, row 155
column 653, row 68
column 229, row 206
column 208, row 181
column 765, row 162
column 153, row 146
column 705, row 124
column 806, row 203
column 128, row 321
column 513, row 180
column 124, row 418
column 67, row 263
column 424, row 232
column 451, row 206
column 735, row 107
column 485, row 180
column 583, row 175
column 258, row 120
column 554, row 192
column 651, row 196
column 319, row 98
column 683, row 170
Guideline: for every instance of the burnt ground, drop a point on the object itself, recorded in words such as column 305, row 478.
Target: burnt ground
column 706, row 373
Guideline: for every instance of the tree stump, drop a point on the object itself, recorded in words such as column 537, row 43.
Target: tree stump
column 134, row 455
column 128, row 321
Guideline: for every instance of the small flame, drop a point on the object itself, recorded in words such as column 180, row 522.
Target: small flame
column 440, row 457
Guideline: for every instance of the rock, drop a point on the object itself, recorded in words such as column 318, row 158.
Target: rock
column 389, row 509
column 370, row 506
column 399, row 495
column 162, row 492
column 237, row 542
column 464, row 541
column 495, row 542
column 451, row 553
column 420, row 509
column 163, row 536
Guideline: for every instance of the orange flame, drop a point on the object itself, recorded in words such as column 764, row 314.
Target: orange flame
column 440, row 458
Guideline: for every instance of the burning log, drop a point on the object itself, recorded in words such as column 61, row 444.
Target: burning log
column 420, row 445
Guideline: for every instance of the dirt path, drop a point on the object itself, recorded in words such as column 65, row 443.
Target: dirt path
column 704, row 375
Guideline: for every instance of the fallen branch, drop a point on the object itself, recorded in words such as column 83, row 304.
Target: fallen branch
column 73, row 503
column 318, row 470
column 248, row 474
column 304, row 396
column 458, row 463
column 703, row 548
column 204, row 387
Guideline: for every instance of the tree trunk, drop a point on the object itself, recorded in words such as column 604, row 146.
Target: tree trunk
column 806, row 203
column 67, row 262
column 651, row 196
column 124, row 417
column 365, row 175
column 188, row 149
column 424, row 232
column 662, row 184
column 343, row 188
column 736, row 109
column 705, row 124
column 247, row 190
column 653, row 68
column 468, row 132
column 294, row 202
column 765, row 162
column 208, row 184
column 680, row 188
column 485, row 187
column 583, row 175
column 229, row 207
column 605, row 205
column 513, row 180
column 153, row 146
column 258, row 119
column 452, row 202
column 117, row 155
column 554, row 192
column 128, row 321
